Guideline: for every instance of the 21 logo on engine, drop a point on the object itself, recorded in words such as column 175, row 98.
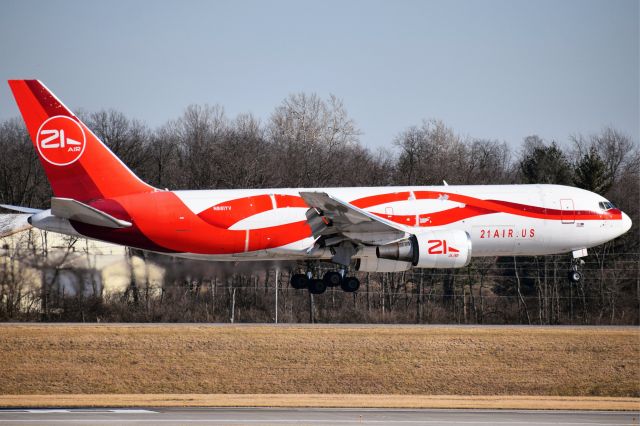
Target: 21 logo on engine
column 441, row 247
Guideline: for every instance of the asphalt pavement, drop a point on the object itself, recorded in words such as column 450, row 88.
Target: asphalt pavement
column 312, row 416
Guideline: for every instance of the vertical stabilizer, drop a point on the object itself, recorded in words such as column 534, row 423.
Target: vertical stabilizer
column 77, row 163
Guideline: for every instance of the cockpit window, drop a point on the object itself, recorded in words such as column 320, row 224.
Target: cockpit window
column 606, row 205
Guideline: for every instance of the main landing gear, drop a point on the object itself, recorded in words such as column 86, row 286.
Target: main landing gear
column 320, row 285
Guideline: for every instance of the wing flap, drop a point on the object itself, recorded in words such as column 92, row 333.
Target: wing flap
column 330, row 216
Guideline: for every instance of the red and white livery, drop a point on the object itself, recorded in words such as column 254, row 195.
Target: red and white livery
column 381, row 229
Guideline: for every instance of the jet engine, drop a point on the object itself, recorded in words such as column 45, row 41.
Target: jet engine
column 375, row 264
column 431, row 249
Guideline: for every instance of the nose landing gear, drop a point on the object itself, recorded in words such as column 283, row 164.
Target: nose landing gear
column 575, row 276
column 574, row 273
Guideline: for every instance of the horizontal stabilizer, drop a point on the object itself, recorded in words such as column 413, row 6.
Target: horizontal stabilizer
column 68, row 208
column 20, row 209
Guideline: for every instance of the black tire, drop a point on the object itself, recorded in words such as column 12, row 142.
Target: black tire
column 575, row 276
column 317, row 286
column 350, row 284
column 299, row 281
column 332, row 279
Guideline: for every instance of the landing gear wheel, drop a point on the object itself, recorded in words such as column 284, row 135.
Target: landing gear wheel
column 575, row 276
column 332, row 279
column 317, row 286
column 574, row 273
column 299, row 281
column 350, row 284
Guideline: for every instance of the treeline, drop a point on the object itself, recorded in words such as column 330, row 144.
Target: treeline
column 312, row 142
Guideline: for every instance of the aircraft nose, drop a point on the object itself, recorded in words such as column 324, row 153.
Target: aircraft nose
column 626, row 223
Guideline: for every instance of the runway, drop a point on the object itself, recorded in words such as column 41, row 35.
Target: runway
column 315, row 416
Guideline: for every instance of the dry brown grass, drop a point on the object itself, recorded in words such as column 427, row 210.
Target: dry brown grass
column 196, row 359
column 325, row 400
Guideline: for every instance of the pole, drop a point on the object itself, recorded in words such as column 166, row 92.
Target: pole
column 277, row 276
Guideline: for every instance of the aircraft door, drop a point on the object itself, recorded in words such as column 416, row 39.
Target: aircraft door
column 567, row 211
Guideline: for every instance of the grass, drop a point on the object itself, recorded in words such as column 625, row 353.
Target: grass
column 394, row 361
column 324, row 400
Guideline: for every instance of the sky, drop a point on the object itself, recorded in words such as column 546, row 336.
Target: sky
column 489, row 69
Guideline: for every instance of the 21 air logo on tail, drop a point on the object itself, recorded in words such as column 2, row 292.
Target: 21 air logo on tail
column 61, row 140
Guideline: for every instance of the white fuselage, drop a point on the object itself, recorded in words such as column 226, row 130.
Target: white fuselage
column 533, row 227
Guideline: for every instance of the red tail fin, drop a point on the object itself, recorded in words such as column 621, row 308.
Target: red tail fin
column 78, row 165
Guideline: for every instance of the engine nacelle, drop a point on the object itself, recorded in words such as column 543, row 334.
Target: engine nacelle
column 374, row 264
column 431, row 249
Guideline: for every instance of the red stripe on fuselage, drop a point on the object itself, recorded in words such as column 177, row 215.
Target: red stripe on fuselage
column 473, row 207
column 225, row 214
column 278, row 236
column 166, row 224
column 375, row 200
column 284, row 200
column 555, row 214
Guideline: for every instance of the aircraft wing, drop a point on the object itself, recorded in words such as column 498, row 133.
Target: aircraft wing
column 339, row 221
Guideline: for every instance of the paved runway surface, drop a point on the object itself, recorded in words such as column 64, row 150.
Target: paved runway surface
column 311, row 416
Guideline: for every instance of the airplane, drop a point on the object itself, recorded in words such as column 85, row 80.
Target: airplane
column 367, row 229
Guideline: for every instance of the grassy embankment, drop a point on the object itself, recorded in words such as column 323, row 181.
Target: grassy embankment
column 409, row 366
